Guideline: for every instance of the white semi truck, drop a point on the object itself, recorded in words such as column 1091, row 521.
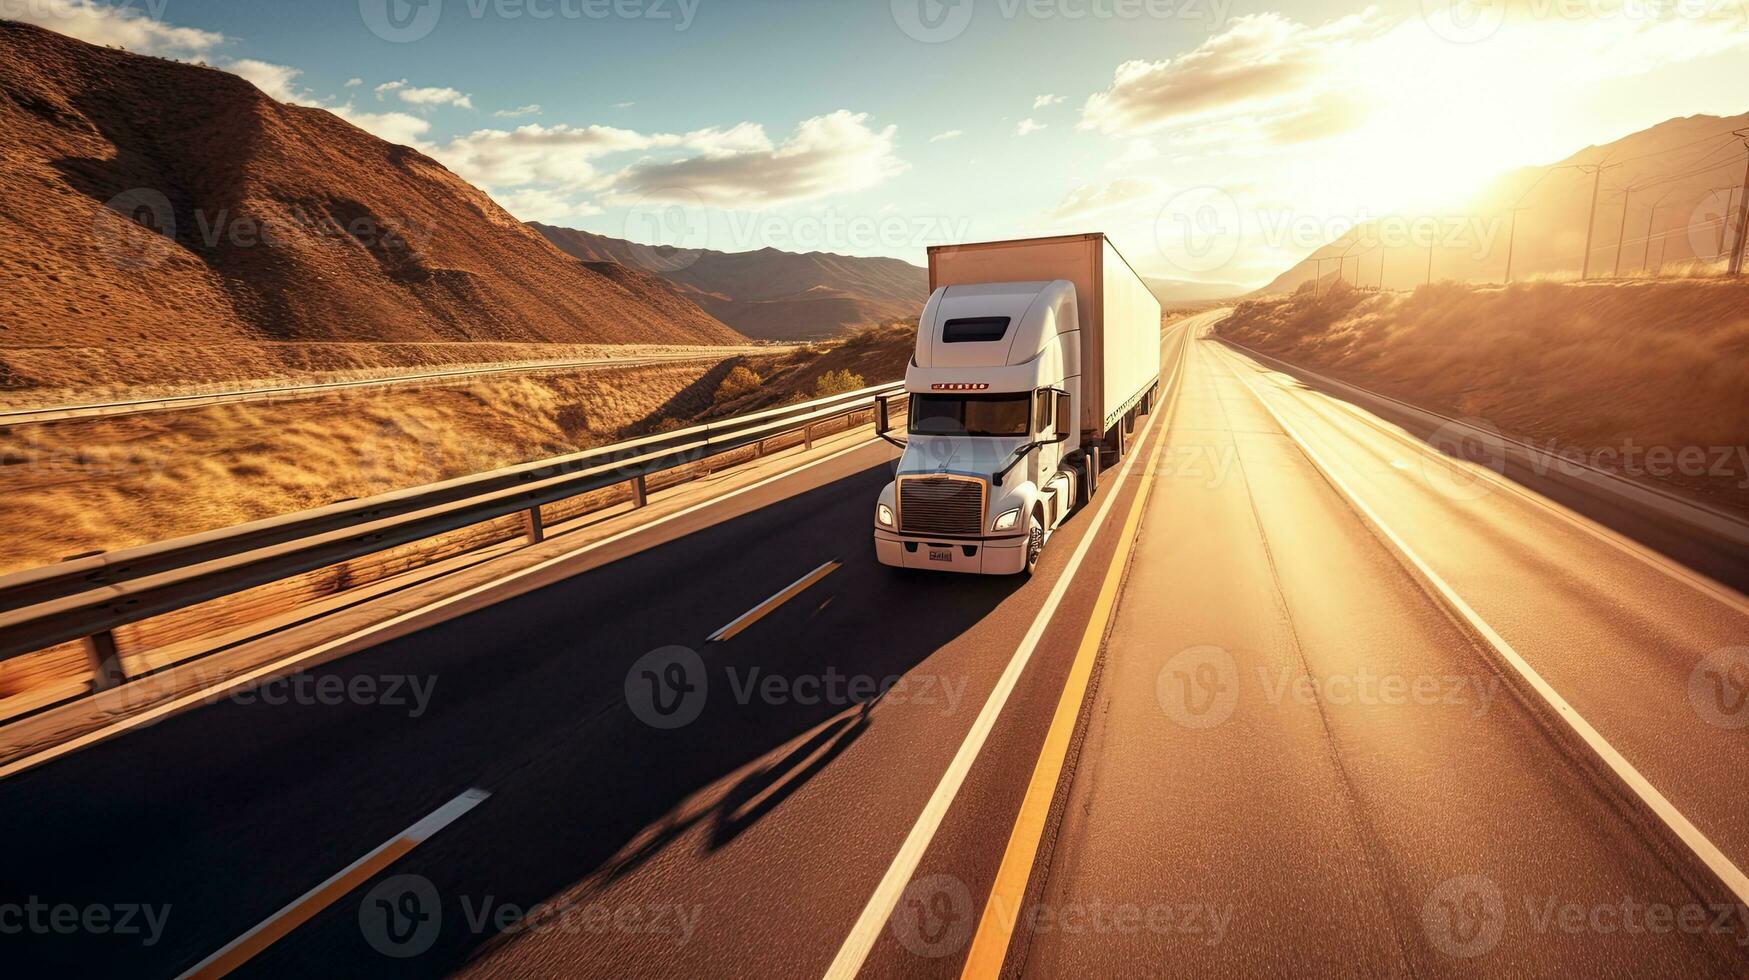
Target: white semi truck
column 1033, row 359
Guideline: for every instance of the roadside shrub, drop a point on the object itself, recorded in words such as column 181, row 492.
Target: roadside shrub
column 837, row 383
column 740, row 381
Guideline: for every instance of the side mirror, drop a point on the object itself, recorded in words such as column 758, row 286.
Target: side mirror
column 884, row 420
column 1065, row 422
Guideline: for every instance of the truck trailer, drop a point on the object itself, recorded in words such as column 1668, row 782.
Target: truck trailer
column 1033, row 359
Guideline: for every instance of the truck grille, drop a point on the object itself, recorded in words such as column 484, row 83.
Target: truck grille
column 941, row 505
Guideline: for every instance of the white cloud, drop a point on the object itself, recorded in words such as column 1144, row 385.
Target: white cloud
column 1263, row 65
column 122, row 26
column 354, row 82
column 527, row 110
column 396, row 127
column 424, row 97
column 1092, row 199
column 278, row 81
column 834, row 153
column 534, row 204
column 1136, row 151
column 624, row 105
column 1028, row 127
column 559, row 155
column 951, row 134
column 1044, row 101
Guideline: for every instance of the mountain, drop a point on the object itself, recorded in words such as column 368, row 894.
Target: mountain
column 1174, row 292
column 1675, row 180
column 769, row 294
column 151, row 201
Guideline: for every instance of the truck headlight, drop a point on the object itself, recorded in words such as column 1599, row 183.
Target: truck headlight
column 1007, row 520
column 883, row 515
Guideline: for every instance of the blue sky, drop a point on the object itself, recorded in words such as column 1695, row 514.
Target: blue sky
column 1185, row 128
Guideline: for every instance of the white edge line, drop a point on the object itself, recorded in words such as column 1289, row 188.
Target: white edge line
column 1696, row 513
column 768, row 600
column 863, row 934
column 430, row 824
column 1697, row 842
column 277, row 667
column 1655, row 560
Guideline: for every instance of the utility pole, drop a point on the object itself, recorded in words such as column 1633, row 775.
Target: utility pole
column 1511, row 240
column 1596, row 170
column 1724, row 217
column 1430, row 263
column 1646, row 253
column 1742, row 208
column 1621, row 232
column 1660, row 267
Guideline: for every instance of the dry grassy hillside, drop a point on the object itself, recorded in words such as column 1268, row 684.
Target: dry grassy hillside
column 98, row 485
column 1584, row 365
column 154, row 202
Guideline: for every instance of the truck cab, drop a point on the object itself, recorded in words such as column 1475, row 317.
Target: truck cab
column 993, row 458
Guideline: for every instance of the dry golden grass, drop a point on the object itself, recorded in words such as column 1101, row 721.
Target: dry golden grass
column 102, row 484
column 1586, row 365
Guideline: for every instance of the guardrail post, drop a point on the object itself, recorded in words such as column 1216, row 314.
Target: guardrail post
column 106, row 669
column 531, row 520
column 808, row 435
column 640, row 492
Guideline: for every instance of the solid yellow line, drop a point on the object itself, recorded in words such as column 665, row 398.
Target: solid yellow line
column 764, row 609
column 1002, row 910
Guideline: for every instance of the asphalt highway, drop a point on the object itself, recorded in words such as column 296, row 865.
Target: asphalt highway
column 1237, row 725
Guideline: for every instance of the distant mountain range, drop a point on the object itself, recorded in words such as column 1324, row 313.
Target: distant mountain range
column 151, row 201
column 769, row 294
column 1177, row 292
column 1674, row 181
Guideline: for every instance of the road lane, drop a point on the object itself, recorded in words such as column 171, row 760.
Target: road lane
column 1298, row 763
column 770, row 793
column 1646, row 656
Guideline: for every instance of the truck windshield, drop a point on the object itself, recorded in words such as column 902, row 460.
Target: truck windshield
column 970, row 415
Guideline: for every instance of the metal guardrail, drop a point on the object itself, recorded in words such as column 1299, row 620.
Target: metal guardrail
column 87, row 598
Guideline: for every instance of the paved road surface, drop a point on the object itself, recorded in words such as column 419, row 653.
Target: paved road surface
column 1294, row 758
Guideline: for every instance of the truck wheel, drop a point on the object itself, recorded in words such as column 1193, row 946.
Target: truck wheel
column 1035, row 543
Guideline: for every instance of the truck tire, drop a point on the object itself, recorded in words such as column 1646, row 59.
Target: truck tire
column 1035, row 543
column 1118, row 443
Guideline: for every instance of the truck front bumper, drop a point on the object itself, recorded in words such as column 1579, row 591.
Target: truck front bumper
column 981, row 556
